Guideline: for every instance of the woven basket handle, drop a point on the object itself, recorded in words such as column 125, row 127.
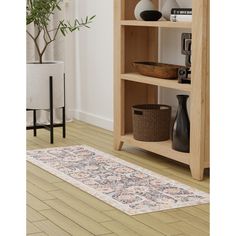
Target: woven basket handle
column 137, row 112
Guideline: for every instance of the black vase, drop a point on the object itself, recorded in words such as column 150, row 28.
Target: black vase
column 181, row 127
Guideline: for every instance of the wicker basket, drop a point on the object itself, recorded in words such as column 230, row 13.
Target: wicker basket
column 151, row 122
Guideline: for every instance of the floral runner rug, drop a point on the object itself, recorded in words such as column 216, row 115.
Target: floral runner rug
column 128, row 187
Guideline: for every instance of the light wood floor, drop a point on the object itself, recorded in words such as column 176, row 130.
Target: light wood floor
column 56, row 208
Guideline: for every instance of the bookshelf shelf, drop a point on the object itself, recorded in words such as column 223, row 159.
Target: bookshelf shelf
column 161, row 148
column 156, row 81
column 160, row 24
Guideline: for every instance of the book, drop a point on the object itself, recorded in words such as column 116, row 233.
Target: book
column 181, row 11
column 178, row 18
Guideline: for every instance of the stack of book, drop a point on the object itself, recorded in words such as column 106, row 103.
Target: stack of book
column 181, row 14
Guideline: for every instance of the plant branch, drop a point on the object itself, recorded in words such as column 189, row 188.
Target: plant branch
column 31, row 36
column 57, row 29
column 35, row 41
column 39, row 31
column 44, row 36
column 49, row 36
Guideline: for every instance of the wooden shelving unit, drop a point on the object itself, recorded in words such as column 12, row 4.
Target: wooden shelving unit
column 138, row 41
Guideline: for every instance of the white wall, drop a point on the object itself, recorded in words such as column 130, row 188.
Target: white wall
column 94, row 80
column 94, row 83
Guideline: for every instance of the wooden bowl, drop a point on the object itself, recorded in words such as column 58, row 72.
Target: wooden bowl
column 158, row 70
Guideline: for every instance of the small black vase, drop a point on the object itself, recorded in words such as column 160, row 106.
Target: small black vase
column 181, row 127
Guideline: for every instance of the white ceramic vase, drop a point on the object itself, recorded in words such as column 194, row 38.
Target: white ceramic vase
column 38, row 84
column 166, row 9
column 143, row 5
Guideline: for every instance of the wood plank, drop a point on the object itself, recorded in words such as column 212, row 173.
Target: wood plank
column 74, row 215
column 156, row 224
column 111, row 235
column 119, row 229
column 164, row 217
column 33, row 215
column 133, row 224
column 81, row 206
column 31, row 229
column 65, row 223
column 156, row 81
column 191, row 219
column 204, row 207
column 39, row 193
column 37, row 234
column 85, row 197
column 50, row 229
column 42, row 173
column 188, row 229
column 35, row 203
column 41, row 183
column 197, row 213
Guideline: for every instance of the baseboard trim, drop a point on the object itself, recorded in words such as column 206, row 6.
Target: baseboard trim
column 94, row 120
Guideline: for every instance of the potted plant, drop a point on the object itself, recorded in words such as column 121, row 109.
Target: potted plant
column 39, row 13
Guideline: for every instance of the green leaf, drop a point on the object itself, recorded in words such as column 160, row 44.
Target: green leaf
column 62, row 31
column 92, row 17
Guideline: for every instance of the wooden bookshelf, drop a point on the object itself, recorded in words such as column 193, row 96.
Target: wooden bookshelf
column 138, row 41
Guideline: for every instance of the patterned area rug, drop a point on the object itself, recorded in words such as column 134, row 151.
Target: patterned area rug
column 128, row 187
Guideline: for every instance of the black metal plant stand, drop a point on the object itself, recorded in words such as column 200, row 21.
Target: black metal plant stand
column 51, row 126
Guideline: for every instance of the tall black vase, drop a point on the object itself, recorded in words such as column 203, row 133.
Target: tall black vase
column 181, row 127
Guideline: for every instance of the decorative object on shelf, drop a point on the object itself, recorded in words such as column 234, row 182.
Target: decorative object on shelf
column 143, row 5
column 181, row 11
column 181, row 14
column 167, row 7
column 181, row 18
column 186, row 49
column 181, row 128
column 183, row 75
column 151, row 122
column 153, row 15
column 158, row 70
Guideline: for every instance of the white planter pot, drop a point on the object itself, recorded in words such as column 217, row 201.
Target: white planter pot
column 143, row 5
column 38, row 84
column 166, row 9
